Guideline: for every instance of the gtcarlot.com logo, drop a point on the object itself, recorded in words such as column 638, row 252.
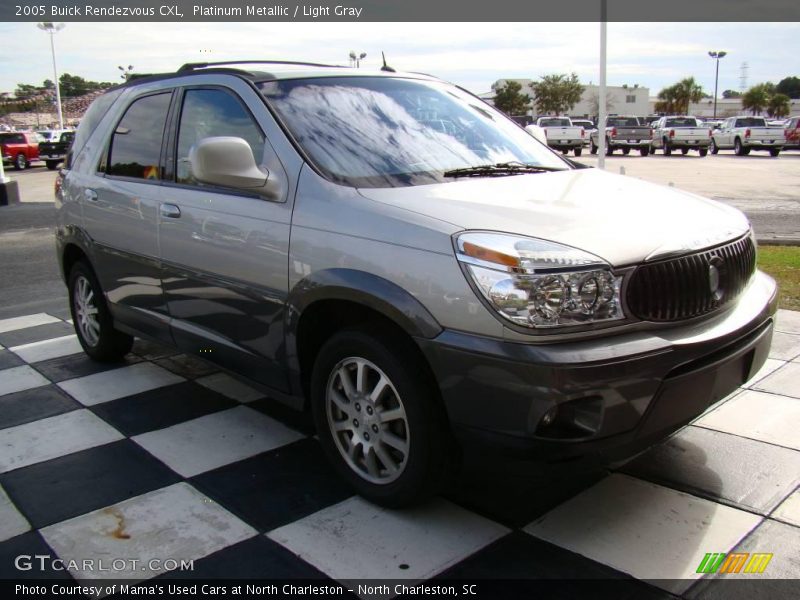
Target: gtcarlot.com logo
column 46, row 562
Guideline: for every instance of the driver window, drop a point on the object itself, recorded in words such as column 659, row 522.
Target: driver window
column 213, row 113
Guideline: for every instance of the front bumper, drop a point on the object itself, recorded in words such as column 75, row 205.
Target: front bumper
column 611, row 395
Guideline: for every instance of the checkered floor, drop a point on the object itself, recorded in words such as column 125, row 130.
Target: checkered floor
column 163, row 456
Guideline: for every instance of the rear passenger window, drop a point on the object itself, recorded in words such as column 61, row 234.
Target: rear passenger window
column 136, row 143
column 213, row 113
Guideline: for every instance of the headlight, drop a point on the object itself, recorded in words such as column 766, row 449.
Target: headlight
column 540, row 284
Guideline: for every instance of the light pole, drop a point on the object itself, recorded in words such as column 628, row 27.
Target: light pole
column 355, row 59
column 53, row 29
column 716, row 56
column 125, row 72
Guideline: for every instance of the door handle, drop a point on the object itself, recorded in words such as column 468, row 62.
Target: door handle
column 170, row 211
column 90, row 195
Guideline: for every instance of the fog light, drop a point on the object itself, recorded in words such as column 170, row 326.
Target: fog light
column 549, row 417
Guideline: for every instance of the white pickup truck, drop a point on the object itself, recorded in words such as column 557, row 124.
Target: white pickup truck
column 560, row 133
column 680, row 133
column 747, row 133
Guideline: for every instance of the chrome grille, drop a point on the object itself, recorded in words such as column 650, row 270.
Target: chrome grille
column 682, row 288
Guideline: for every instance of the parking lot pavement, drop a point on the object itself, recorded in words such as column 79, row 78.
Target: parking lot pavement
column 163, row 457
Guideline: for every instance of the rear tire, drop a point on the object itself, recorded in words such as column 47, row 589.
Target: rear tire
column 92, row 319
column 738, row 149
column 388, row 440
column 20, row 162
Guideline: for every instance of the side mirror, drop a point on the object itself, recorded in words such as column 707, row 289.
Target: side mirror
column 227, row 162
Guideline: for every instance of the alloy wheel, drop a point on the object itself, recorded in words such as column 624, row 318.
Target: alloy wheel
column 86, row 311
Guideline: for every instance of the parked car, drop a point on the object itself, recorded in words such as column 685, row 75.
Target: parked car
column 418, row 290
column 54, row 152
column 588, row 127
column 19, row 148
column 680, row 133
column 624, row 133
column 791, row 134
column 561, row 134
column 744, row 134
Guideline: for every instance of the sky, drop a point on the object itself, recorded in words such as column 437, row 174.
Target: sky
column 473, row 55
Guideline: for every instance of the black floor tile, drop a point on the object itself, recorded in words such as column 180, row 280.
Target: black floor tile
column 515, row 492
column 78, row 365
column 8, row 359
column 31, row 553
column 31, row 405
column 298, row 420
column 152, row 350
column 522, row 564
column 79, row 483
column 35, row 334
column 256, row 558
column 742, row 472
column 278, row 487
column 162, row 407
column 187, row 366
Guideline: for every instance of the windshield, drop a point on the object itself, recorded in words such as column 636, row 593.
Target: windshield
column 682, row 122
column 554, row 123
column 622, row 122
column 392, row 132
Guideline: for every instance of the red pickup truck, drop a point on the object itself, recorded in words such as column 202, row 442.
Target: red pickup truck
column 19, row 148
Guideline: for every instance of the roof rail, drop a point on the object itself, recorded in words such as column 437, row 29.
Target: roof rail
column 203, row 65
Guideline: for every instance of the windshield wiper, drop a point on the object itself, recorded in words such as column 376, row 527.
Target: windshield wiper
column 499, row 170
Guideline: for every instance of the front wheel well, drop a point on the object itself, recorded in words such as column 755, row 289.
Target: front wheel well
column 322, row 319
column 70, row 256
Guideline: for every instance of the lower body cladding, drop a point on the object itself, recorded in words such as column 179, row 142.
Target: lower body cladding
column 610, row 397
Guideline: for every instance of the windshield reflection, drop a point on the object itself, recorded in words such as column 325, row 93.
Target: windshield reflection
column 387, row 132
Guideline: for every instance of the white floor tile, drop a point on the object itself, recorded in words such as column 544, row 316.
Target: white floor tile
column 226, row 385
column 760, row 416
column 12, row 523
column 785, row 346
column 17, row 379
column 788, row 321
column 649, row 531
column 770, row 366
column 358, row 540
column 26, row 321
column 215, row 440
column 47, row 349
column 784, row 381
column 789, row 510
column 173, row 523
column 53, row 437
column 110, row 385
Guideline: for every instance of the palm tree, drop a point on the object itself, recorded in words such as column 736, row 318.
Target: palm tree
column 778, row 106
column 687, row 90
column 756, row 98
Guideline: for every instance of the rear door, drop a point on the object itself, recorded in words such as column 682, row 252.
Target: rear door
column 120, row 208
column 225, row 252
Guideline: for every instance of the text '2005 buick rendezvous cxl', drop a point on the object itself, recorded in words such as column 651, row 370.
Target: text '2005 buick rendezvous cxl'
column 399, row 258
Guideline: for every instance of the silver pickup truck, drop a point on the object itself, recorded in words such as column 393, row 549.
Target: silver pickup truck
column 747, row 133
column 680, row 133
column 624, row 133
column 561, row 134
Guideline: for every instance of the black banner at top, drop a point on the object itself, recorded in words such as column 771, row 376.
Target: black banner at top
column 402, row 10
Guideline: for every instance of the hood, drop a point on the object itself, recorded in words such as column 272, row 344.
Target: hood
column 620, row 219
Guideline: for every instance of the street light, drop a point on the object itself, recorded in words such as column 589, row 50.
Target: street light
column 355, row 59
column 53, row 29
column 716, row 56
column 125, row 72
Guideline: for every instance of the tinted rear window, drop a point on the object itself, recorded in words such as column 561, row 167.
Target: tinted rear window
column 12, row 138
column 623, row 122
column 750, row 122
column 554, row 123
column 682, row 122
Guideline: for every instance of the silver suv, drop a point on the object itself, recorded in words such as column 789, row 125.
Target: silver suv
column 393, row 254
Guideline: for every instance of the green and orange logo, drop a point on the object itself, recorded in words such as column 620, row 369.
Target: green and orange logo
column 735, row 562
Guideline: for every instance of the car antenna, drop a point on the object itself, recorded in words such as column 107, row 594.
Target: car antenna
column 386, row 67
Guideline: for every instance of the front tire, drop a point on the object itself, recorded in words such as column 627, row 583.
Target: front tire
column 666, row 147
column 378, row 418
column 20, row 162
column 92, row 319
column 703, row 151
column 644, row 151
column 592, row 148
column 714, row 147
column 684, row 151
column 578, row 151
column 51, row 165
column 774, row 151
column 626, row 151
